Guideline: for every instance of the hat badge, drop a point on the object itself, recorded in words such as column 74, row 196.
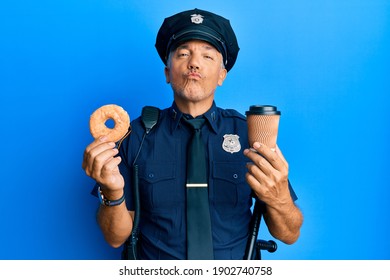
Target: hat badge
column 196, row 18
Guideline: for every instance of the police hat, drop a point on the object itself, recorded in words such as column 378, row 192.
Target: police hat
column 200, row 25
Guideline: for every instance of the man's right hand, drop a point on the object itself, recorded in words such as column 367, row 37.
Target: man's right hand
column 101, row 162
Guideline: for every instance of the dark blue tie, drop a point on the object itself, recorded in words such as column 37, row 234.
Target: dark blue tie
column 199, row 237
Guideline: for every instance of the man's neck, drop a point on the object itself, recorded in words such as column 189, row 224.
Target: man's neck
column 194, row 108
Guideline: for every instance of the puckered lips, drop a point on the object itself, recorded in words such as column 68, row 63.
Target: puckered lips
column 193, row 75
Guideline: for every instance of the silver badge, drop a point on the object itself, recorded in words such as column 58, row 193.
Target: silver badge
column 231, row 143
column 196, row 18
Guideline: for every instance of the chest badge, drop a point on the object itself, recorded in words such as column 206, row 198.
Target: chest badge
column 231, row 144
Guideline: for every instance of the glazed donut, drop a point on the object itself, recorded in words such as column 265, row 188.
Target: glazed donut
column 97, row 122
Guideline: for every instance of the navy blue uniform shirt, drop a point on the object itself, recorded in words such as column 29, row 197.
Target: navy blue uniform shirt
column 162, row 176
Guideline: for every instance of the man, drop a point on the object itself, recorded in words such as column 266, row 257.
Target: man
column 198, row 49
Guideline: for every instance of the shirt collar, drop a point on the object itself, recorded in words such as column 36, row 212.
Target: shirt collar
column 211, row 117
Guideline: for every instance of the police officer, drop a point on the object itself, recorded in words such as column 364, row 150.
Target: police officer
column 198, row 49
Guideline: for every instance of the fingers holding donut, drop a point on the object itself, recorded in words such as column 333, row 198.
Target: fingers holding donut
column 92, row 151
column 101, row 159
column 100, row 162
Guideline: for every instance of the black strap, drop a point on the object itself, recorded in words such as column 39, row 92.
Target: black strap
column 149, row 117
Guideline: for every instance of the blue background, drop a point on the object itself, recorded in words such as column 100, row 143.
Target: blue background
column 324, row 63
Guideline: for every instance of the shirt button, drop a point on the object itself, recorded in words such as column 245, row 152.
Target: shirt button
column 235, row 176
column 151, row 175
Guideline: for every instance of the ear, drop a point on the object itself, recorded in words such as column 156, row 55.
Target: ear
column 222, row 76
column 166, row 72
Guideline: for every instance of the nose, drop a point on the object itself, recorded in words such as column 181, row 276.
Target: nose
column 194, row 62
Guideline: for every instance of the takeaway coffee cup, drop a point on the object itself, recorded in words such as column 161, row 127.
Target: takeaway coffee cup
column 263, row 124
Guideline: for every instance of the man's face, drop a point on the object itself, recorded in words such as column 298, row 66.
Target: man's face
column 194, row 70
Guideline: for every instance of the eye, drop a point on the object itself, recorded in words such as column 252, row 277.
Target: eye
column 182, row 54
column 209, row 57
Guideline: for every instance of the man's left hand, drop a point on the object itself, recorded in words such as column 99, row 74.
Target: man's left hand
column 268, row 175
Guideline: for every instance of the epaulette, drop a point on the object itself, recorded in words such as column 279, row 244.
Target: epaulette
column 231, row 113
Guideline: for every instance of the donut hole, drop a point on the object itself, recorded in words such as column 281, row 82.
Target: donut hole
column 110, row 123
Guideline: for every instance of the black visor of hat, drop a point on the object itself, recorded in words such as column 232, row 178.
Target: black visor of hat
column 201, row 33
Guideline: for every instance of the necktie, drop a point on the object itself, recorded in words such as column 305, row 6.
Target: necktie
column 199, row 237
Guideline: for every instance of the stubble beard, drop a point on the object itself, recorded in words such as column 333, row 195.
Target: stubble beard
column 191, row 91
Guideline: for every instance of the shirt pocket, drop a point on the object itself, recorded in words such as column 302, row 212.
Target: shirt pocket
column 230, row 190
column 158, row 185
